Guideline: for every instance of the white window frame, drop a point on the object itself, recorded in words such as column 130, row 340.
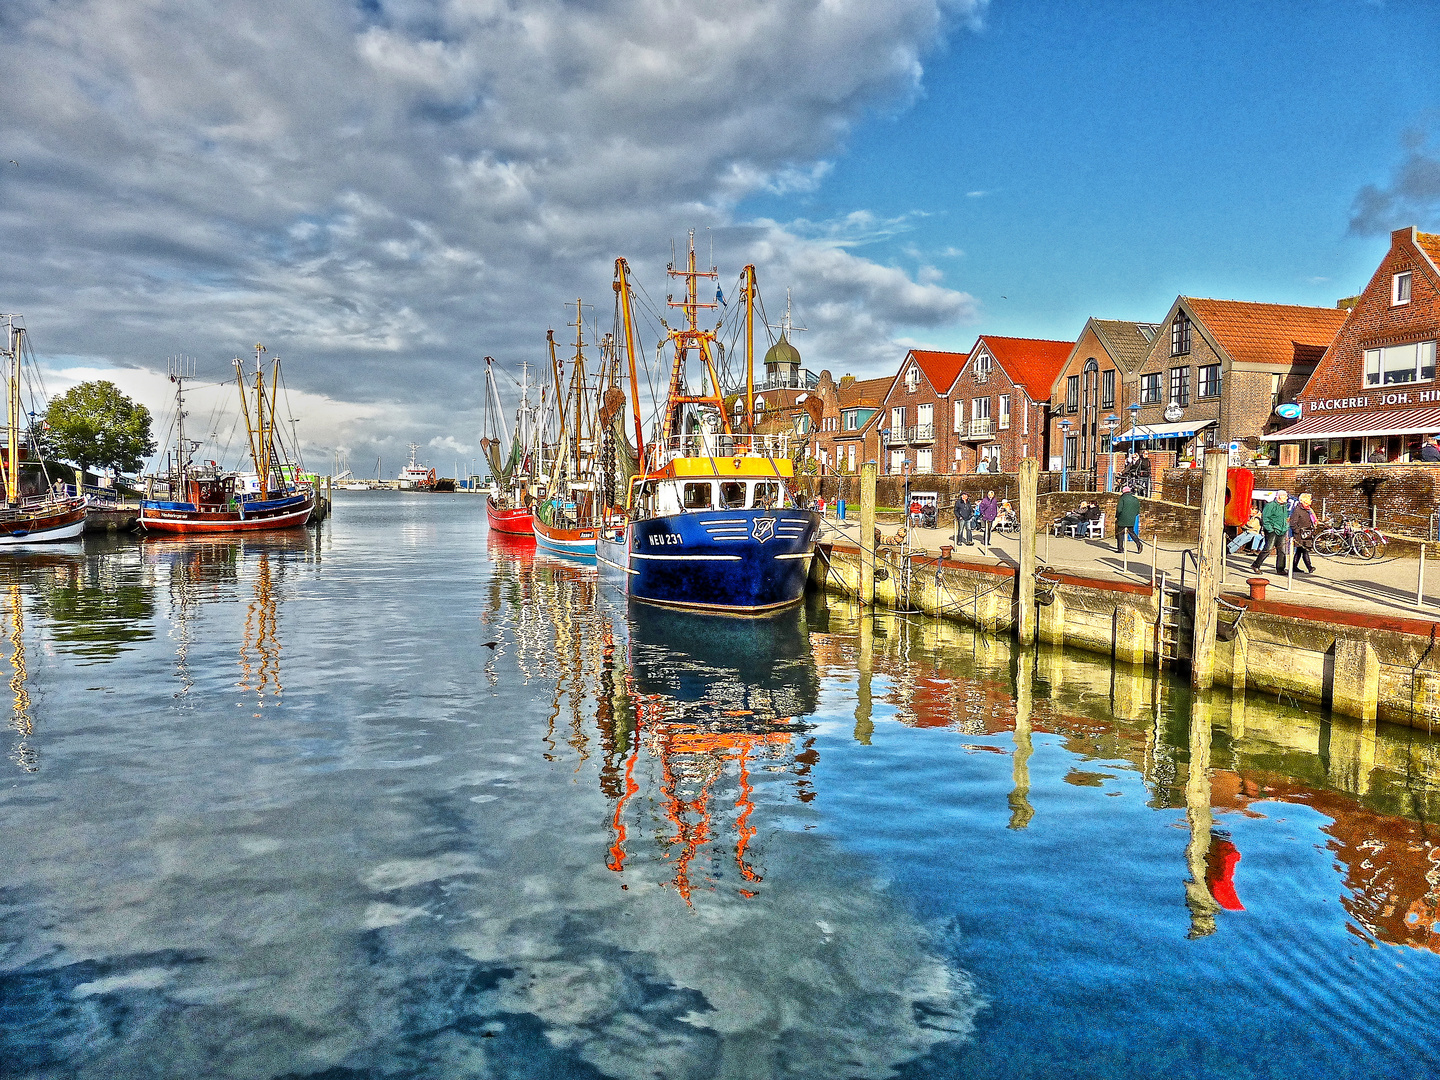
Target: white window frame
column 1377, row 364
column 1004, row 412
column 957, row 408
column 980, row 408
column 1401, row 288
column 925, row 414
column 912, row 378
column 924, row 461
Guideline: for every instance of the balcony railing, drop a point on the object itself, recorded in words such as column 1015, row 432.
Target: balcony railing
column 921, row 434
column 979, row 429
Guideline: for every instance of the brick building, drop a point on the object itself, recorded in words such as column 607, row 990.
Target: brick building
column 852, row 438
column 914, row 436
column 1374, row 393
column 998, row 402
column 1090, row 389
column 1217, row 370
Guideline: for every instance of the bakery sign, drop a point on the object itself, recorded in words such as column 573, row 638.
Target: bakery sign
column 1371, row 401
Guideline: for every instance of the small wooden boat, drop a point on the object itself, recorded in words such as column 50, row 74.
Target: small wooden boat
column 34, row 519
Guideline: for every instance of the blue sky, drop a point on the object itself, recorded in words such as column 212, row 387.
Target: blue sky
column 386, row 192
column 1130, row 152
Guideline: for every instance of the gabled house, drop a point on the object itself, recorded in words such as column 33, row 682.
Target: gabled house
column 1089, row 391
column 1217, row 371
column 852, row 438
column 998, row 402
column 914, row 437
column 1374, row 393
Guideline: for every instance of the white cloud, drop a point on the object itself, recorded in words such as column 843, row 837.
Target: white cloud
column 386, row 192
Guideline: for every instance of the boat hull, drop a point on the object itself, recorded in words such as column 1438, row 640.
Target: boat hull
column 570, row 543
column 511, row 522
column 165, row 518
column 65, row 521
column 737, row 562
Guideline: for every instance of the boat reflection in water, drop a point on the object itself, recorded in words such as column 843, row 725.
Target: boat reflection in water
column 713, row 698
column 196, row 572
column 722, row 937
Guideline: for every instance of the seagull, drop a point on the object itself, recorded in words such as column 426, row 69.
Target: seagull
column 14, row 162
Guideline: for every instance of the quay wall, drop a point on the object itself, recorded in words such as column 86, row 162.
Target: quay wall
column 1357, row 665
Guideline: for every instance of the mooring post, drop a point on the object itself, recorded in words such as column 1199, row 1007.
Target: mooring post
column 1420, row 580
column 1029, row 494
column 1207, row 567
column 869, row 474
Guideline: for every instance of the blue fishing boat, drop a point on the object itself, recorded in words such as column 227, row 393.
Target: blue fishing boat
column 711, row 521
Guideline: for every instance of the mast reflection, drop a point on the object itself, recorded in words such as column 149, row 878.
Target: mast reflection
column 23, row 753
column 1211, row 756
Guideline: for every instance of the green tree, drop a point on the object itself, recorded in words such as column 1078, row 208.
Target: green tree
column 95, row 425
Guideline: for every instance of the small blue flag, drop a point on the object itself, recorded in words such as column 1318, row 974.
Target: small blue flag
column 720, row 296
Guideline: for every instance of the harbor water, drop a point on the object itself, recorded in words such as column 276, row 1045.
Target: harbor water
column 392, row 798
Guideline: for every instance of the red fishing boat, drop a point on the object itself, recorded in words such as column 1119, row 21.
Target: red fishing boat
column 512, row 521
column 202, row 498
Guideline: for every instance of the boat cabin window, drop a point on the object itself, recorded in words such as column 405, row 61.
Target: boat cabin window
column 644, row 500
column 732, row 495
column 697, row 496
column 767, row 496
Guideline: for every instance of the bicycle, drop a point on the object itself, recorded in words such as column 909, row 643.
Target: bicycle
column 1343, row 537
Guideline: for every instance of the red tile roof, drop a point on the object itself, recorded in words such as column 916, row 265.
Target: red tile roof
column 1031, row 363
column 939, row 367
column 1269, row 333
column 865, row 393
column 1430, row 244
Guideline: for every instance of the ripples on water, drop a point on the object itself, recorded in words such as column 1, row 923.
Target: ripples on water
column 273, row 809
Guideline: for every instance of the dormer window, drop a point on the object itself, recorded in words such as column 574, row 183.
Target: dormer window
column 912, row 378
column 982, row 367
column 1180, row 336
column 1400, row 289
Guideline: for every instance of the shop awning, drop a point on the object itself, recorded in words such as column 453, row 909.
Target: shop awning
column 1147, row 432
column 1357, row 425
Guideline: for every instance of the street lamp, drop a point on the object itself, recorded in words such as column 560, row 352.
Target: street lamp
column 1064, row 455
column 1110, row 422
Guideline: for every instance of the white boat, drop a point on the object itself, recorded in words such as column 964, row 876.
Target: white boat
column 416, row 477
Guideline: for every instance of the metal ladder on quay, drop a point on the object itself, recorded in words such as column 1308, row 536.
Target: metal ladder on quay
column 1174, row 624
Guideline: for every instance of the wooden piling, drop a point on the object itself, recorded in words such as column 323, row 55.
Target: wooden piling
column 869, row 474
column 1207, row 570
column 1025, row 578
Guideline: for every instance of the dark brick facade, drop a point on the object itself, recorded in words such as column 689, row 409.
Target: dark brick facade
column 1405, row 498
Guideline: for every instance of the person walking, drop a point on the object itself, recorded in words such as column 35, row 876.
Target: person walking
column 1302, row 528
column 1274, row 523
column 965, row 520
column 1430, row 450
column 989, row 511
column 1127, row 519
